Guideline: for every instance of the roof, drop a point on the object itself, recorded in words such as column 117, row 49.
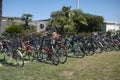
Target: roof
column 41, row 20
column 110, row 22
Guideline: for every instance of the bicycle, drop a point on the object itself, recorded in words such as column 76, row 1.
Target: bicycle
column 11, row 54
column 47, row 51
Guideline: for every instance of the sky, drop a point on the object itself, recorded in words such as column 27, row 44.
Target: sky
column 42, row 9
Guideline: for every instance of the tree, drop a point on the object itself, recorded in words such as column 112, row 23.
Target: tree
column 0, row 14
column 56, row 14
column 79, row 19
column 75, row 21
column 62, row 20
column 66, row 11
column 18, row 28
column 14, row 28
column 76, row 12
column 95, row 23
column 68, row 19
column 26, row 18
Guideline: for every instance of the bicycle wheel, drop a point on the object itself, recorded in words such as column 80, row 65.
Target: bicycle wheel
column 78, row 52
column 29, row 56
column 98, row 48
column 39, row 54
column 116, row 48
column 89, row 49
column 43, row 54
column 19, row 59
column 62, row 54
column 55, row 59
column 69, row 49
column 7, row 56
column 108, row 47
column 89, row 52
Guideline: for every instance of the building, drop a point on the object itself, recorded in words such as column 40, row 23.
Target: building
column 108, row 25
column 5, row 21
column 42, row 25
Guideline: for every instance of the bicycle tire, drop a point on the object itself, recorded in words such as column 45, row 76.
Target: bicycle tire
column 55, row 59
column 62, row 54
column 7, row 56
column 78, row 52
column 19, row 59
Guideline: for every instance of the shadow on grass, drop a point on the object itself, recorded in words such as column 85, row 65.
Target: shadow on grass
column 2, row 61
column 45, row 61
column 72, row 57
column 5, row 63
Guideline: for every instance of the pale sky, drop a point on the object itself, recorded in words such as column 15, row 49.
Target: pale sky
column 41, row 9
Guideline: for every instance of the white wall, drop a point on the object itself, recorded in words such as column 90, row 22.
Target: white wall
column 111, row 26
column 38, row 23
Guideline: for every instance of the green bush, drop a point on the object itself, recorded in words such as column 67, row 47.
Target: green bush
column 18, row 28
column 14, row 28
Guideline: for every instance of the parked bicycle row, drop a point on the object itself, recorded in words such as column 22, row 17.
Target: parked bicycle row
column 54, row 48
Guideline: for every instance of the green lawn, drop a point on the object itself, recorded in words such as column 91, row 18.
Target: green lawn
column 105, row 66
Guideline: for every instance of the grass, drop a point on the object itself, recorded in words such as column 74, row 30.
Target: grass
column 105, row 66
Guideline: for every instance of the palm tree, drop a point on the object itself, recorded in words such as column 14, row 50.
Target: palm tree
column 0, row 13
column 26, row 18
column 66, row 11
